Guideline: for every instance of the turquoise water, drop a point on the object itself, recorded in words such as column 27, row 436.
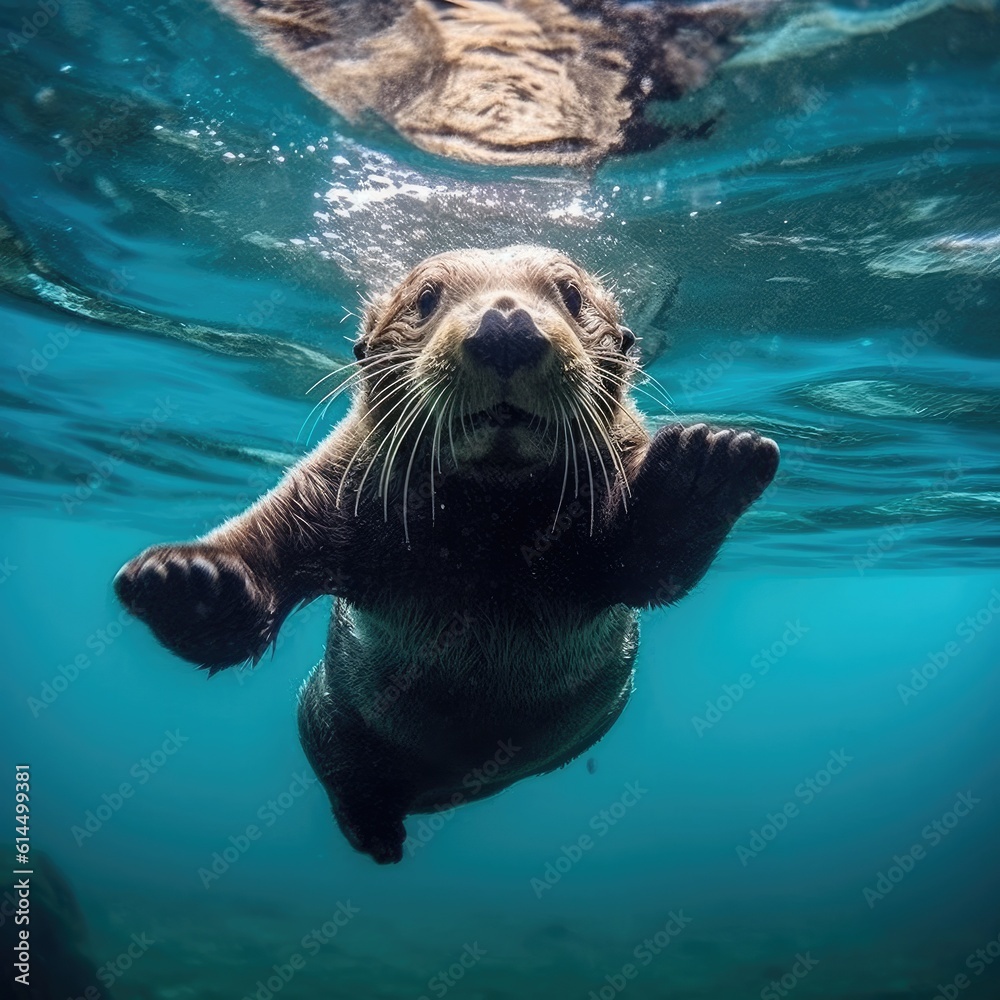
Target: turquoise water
column 802, row 797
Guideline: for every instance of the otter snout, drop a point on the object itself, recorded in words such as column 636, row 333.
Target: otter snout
column 506, row 342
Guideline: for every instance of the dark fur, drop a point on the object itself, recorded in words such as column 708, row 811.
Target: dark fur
column 487, row 637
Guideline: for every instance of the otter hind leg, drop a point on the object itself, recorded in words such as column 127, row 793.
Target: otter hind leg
column 369, row 809
column 367, row 781
column 379, row 835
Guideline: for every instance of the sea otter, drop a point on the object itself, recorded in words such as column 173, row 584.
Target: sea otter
column 507, row 82
column 490, row 515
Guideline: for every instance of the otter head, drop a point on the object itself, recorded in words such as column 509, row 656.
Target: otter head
column 497, row 361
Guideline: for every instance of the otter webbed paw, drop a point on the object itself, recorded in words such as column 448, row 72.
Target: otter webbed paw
column 693, row 486
column 201, row 603
column 716, row 474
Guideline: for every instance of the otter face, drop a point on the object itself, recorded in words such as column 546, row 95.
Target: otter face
column 509, row 358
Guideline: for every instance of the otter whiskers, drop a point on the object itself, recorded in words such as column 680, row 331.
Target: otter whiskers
column 357, row 451
column 565, row 425
column 413, row 455
column 577, row 419
column 420, row 394
column 353, row 380
column 593, row 427
column 627, row 383
column 436, row 443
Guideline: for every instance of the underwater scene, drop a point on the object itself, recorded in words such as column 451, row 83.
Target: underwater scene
column 801, row 797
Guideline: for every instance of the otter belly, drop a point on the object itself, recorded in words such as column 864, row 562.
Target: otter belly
column 413, row 712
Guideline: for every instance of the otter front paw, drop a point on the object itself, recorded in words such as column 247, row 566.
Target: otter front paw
column 693, row 486
column 201, row 603
column 717, row 474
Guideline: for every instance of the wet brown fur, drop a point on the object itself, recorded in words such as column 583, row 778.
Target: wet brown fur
column 515, row 82
column 489, row 534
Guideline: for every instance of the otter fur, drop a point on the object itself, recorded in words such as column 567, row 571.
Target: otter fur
column 490, row 516
column 507, row 82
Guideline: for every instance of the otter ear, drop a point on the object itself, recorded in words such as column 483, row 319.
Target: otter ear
column 628, row 340
column 374, row 304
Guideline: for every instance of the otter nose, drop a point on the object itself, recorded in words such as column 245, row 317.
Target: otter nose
column 506, row 343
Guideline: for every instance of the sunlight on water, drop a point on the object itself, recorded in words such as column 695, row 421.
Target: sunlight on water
column 245, row 223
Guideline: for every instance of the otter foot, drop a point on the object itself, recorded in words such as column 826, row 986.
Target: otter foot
column 379, row 837
column 201, row 603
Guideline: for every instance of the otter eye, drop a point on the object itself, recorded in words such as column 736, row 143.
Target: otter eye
column 571, row 297
column 428, row 300
column 628, row 339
